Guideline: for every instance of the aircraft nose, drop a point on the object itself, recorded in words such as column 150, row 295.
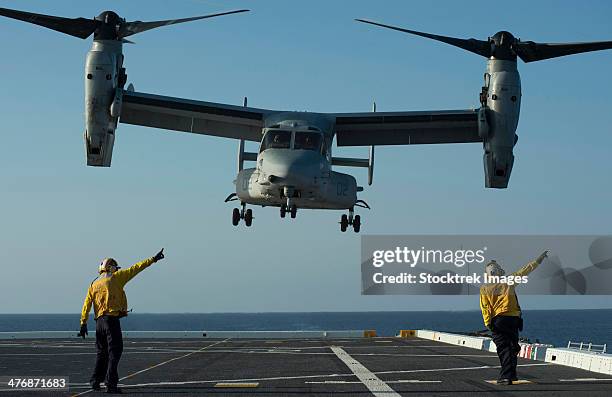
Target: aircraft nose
column 290, row 167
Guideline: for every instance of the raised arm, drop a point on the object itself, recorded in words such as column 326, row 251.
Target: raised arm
column 531, row 266
column 125, row 275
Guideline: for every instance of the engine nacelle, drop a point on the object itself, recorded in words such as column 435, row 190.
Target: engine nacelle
column 498, row 166
column 104, row 80
column 498, row 121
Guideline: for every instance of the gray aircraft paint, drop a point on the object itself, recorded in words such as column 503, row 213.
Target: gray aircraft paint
column 503, row 104
column 103, row 96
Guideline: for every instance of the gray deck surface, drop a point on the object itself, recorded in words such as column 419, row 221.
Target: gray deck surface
column 185, row 367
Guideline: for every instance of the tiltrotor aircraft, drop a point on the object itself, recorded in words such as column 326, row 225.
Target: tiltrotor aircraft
column 293, row 168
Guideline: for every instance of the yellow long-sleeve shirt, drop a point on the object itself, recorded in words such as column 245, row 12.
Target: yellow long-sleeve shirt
column 500, row 299
column 106, row 292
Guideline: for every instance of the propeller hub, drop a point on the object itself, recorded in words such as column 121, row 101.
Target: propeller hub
column 109, row 18
column 502, row 44
column 108, row 26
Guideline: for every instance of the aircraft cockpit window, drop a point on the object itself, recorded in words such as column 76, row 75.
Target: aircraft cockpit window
column 276, row 139
column 306, row 140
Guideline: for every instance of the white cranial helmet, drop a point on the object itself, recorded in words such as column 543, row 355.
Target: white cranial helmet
column 108, row 265
column 494, row 269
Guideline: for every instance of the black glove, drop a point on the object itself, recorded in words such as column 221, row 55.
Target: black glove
column 159, row 256
column 542, row 256
column 83, row 331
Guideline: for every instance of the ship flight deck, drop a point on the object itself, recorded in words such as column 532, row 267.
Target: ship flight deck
column 296, row 366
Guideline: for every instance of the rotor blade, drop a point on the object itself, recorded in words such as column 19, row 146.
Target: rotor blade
column 476, row 46
column 78, row 27
column 130, row 28
column 529, row 51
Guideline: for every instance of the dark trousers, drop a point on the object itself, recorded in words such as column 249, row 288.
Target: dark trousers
column 109, row 346
column 506, row 335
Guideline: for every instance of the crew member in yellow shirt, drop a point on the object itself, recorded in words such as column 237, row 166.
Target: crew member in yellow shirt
column 110, row 304
column 502, row 315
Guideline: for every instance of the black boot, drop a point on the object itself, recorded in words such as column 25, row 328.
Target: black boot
column 113, row 390
column 95, row 385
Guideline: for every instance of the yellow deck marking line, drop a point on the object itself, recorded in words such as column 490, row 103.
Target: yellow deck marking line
column 160, row 364
column 236, row 385
column 514, row 382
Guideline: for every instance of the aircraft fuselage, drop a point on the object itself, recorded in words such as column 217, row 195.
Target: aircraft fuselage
column 294, row 168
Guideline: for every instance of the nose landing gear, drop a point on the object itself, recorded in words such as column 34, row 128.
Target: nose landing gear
column 292, row 210
column 246, row 214
column 352, row 220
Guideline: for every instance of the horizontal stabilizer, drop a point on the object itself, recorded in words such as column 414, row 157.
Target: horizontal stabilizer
column 350, row 162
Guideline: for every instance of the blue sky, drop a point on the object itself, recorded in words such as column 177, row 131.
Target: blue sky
column 60, row 218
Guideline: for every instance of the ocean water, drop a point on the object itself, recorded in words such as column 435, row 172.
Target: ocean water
column 548, row 326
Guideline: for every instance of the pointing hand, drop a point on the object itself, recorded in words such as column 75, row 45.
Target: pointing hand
column 542, row 256
column 159, row 256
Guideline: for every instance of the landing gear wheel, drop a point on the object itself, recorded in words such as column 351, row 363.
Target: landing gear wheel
column 235, row 217
column 248, row 217
column 293, row 211
column 283, row 210
column 343, row 222
column 357, row 223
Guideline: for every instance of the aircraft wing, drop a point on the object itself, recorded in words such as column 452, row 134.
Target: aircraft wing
column 407, row 128
column 197, row 117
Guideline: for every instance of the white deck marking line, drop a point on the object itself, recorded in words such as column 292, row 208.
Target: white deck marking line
column 404, row 346
column 77, row 345
column 586, row 380
column 199, row 382
column 242, row 351
column 457, row 369
column 424, row 355
column 171, row 360
column 283, row 351
column 334, row 382
column 371, row 381
column 281, row 378
column 514, row 382
column 159, row 365
column 233, row 385
column 414, row 381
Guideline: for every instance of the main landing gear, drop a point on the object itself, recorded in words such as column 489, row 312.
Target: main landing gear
column 352, row 220
column 246, row 214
